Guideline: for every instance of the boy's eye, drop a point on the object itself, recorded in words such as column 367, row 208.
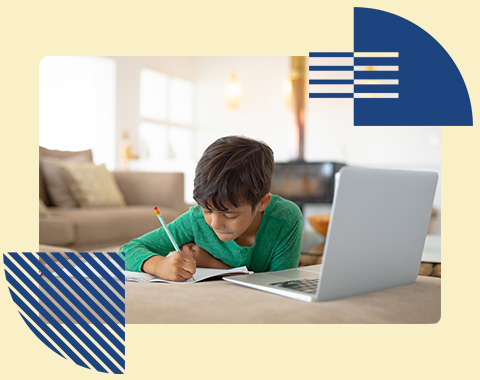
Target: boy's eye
column 231, row 217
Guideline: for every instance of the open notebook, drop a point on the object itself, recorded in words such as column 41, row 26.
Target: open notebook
column 200, row 275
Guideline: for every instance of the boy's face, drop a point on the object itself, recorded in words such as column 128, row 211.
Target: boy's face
column 236, row 222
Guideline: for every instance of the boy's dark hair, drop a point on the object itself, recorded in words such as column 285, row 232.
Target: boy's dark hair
column 232, row 171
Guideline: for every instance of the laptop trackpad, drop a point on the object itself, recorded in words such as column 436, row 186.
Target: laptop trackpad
column 298, row 273
column 311, row 268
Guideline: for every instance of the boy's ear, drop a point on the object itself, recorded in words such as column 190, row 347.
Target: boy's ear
column 264, row 202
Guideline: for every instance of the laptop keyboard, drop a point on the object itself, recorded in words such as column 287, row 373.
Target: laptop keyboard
column 307, row 285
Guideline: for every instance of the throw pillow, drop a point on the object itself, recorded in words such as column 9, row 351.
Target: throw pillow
column 67, row 155
column 60, row 155
column 56, row 183
column 92, row 185
column 43, row 210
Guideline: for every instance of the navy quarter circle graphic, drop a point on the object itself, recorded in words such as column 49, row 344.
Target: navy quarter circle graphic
column 75, row 304
column 432, row 90
column 397, row 75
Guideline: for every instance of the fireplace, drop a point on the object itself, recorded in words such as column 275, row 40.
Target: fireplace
column 305, row 182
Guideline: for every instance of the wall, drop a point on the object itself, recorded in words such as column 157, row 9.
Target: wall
column 329, row 130
column 263, row 115
column 330, row 135
column 128, row 89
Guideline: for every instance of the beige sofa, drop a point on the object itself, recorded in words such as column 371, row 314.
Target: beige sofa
column 81, row 228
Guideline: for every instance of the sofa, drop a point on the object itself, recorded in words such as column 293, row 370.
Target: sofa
column 91, row 228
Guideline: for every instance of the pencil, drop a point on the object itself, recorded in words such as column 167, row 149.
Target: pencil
column 170, row 236
column 164, row 225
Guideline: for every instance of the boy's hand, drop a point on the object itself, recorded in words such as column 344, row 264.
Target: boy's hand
column 176, row 266
column 202, row 257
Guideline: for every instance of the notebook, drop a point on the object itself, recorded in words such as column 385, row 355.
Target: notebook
column 200, row 275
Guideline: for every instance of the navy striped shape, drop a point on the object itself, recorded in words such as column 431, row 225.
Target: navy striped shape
column 70, row 329
column 377, row 89
column 376, row 74
column 330, row 95
column 96, row 295
column 358, row 61
column 41, row 337
column 330, row 81
column 330, row 54
column 330, row 68
column 376, row 61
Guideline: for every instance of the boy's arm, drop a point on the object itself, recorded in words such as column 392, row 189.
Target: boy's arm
column 203, row 258
column 156, row 242
column 287, row 251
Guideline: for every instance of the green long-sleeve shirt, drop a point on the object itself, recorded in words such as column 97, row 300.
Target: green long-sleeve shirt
column 277, row 243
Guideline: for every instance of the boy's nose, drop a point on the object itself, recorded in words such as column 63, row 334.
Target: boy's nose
column 216, row 222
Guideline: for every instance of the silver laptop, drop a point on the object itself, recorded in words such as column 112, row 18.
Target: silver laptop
column 375, row 238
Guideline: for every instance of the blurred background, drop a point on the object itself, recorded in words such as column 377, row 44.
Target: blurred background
column 158, row 114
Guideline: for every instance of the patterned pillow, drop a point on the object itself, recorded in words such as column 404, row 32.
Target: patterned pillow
column 56, row 183
column 92, row 185
column 42, row 209
column 52, row 185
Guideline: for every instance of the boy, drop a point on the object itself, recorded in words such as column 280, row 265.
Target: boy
column 237, row 221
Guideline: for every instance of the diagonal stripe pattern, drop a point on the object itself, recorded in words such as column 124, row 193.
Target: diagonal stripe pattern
column 74, row 303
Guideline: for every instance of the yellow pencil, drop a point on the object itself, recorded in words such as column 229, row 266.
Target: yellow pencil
column 164, row 225
column 170, row 236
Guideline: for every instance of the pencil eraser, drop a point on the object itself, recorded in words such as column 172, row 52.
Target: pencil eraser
column 155, row 208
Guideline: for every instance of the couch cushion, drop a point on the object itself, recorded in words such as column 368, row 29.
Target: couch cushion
column 56, row 183
column 43, row 210
column 42, row 187
column 92, row 185
column 95, row 227
column 49, row 181
column 56, row 230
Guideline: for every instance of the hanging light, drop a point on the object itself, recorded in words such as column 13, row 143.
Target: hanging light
column 233, row 91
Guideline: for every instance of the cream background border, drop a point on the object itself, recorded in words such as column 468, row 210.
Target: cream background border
column 30, row 30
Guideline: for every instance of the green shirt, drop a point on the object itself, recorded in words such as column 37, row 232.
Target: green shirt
column 277, row 242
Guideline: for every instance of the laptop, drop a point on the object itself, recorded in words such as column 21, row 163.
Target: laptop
column 375, row 238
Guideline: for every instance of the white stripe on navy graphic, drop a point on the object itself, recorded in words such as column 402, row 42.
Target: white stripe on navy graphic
column 375, row 81
column 376, row 68
column 331, row 88
column 382, row 82
column 376, row 55
column 376, row 95
column 330, row 61
column 331, row 75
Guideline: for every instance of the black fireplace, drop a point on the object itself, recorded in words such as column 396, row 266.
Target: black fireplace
column 305, row 182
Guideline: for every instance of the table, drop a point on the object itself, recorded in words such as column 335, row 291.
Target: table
column 224, row 302
column 221, row 302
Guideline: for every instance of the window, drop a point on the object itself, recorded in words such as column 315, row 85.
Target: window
column 153, row 95
column 181, row 101
column 166, row 121
column 77, row 105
